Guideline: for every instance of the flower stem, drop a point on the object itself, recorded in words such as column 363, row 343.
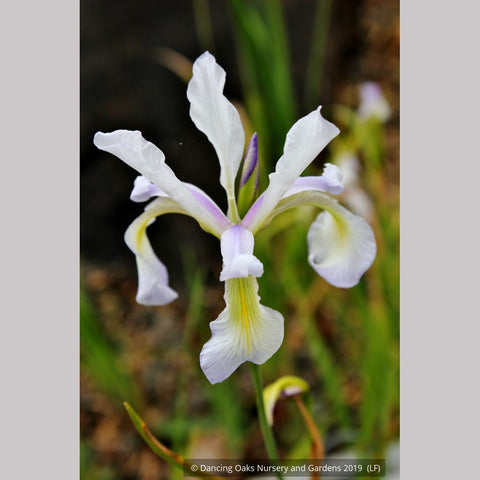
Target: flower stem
column 233, row 210
column 268, row 438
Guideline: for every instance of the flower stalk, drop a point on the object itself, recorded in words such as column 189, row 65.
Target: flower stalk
column 233, row 210
column 267, row 433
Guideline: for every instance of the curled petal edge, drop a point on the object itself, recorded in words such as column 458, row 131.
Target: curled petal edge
column 341, row 244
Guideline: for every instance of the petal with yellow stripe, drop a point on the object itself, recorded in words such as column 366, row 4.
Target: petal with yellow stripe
column 244, row 331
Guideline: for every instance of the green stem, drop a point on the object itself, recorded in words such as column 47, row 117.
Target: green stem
column 270, row 445
column 318, row 51
column 232, row 210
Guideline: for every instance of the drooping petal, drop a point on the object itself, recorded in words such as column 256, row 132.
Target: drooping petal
column 330, row 181
column 237, row 251
column 244, row 331
column 216, row 117
column 341, row 250
column 149, row 160
column 341, row 245
column 283, row 387
column 153, row 286
column 305, row 140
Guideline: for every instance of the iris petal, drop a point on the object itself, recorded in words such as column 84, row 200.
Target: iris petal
column 341, row 245
column 149, row 160
column 244, row 331
column 237, row 252
column 305, row 140
column 153, row 288
column 216, row 117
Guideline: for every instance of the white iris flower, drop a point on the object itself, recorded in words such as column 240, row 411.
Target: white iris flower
column 341, row 244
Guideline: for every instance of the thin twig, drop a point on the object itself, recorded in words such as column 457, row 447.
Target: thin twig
column 160, row 449
column 318, row 448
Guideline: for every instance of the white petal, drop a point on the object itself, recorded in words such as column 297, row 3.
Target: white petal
column 341, row 247
column 242, row 266
column 330, row 181
column 237, row 252
column 244, row 331
column 144, row 189
column 216, row 117
column 149, row 160
column 305, row 140
column 153, row 286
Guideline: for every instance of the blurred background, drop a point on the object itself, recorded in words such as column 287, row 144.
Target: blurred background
column 283, row 59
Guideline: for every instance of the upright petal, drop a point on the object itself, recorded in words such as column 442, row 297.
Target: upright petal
column 341, row 245
column 244, row 331
column 149, row 160
column 237, row 252
column 305, row 140
column 216, row 117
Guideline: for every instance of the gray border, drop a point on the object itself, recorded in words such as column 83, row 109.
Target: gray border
column 40, row 336
column 439, row 239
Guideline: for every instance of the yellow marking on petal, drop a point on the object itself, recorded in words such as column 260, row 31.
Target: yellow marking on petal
column 140, row 234
column 245, row 314
column 244, row 304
